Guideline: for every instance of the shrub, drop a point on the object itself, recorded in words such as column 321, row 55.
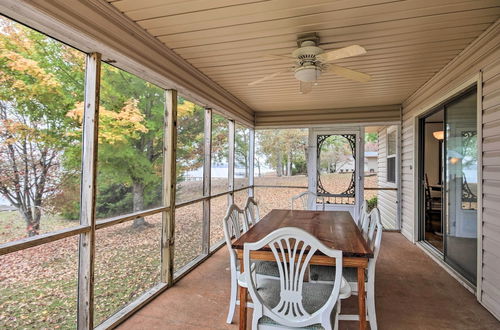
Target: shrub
column 372, row 203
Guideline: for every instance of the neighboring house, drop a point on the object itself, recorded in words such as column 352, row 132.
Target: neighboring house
column 371, row 161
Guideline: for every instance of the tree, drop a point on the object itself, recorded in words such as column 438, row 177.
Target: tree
column 190, row 136
column 335, row 152
column 371, row 141
column 283, row 147
column 41, row 80
column 190, row 142
column 41, row 110
column 371, row 137
column 242, row 148
column 130, row 160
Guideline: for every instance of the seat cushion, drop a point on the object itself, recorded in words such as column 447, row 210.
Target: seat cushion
column 269, row 268
column 315, row 296
column 327, row 273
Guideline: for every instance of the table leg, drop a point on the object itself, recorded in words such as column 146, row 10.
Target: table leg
column 243, row 303
column 361, row 298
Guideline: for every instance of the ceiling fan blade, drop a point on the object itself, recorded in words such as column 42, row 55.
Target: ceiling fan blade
column 270, row 76
column 305, row 87
column 336, row 54
column 348, row 73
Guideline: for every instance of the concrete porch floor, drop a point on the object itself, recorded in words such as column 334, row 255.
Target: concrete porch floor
column 412, row 292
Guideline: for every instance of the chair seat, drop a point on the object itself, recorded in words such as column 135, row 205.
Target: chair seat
column 314, row 297
column 267, row 268
column 327, row 274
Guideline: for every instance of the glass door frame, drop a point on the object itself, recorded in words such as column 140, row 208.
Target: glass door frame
column 359, row 176
column 421, row 177
column 463, row 91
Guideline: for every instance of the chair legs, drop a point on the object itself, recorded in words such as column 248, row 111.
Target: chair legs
column 233, row 297
column 372, row 314
column 339, row 309
column 370, row 308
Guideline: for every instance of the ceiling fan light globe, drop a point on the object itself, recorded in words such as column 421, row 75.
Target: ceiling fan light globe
column 308, row 73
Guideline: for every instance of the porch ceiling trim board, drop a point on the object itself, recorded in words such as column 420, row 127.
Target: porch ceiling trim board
column 374, row 114
column 96, row 26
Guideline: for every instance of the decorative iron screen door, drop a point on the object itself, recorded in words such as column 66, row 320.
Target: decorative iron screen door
column 334, row 168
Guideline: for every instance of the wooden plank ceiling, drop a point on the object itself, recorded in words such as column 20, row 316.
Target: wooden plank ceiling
column 407, row 42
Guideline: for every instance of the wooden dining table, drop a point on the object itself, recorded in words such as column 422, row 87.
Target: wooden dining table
column 335, row 229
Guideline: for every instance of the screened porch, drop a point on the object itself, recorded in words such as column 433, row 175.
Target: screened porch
column 129, row 128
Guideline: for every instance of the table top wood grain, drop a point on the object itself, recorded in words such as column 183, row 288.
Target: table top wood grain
column 335, row 229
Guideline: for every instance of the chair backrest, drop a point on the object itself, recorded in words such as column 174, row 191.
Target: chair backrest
column 373, row 220
column 234, row 226
column 303, row 197
column 363, row 212
column 252, row 211
column 293, row 249
column 427, row 190
column 375, row 237
column 365, row 219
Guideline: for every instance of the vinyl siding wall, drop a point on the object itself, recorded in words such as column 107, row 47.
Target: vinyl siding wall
column 312, row 117
column 482, row 56
column 386, row 199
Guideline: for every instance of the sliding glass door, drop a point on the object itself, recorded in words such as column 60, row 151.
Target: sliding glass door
column 460, row 154
column 448, row 173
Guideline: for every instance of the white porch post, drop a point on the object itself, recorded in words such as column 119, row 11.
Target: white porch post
column 311, row 165
column 230, row 161
column 169, row 182
column 207, row 179
column 85, row 304
column 251, row 160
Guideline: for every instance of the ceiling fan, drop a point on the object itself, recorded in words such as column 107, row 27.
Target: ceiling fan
column 311, row 61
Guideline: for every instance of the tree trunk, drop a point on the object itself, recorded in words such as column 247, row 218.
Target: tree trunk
column 32, row 219
column 289, row 164
column 138, row 203
column 279, row 167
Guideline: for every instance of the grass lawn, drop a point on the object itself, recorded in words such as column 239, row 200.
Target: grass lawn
column 13, row 227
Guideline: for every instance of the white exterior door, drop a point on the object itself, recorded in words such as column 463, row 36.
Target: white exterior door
column 335, row 168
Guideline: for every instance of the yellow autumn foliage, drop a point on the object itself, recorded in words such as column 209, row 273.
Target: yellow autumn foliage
column 185, row 109
column 115, row 127
column 27, row 66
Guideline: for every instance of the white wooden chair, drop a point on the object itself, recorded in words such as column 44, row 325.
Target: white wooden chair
column 322, row 274
column 289, row 301
column 252, row 211
column 235, row 223
column 304, row 199
column 375, row 236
